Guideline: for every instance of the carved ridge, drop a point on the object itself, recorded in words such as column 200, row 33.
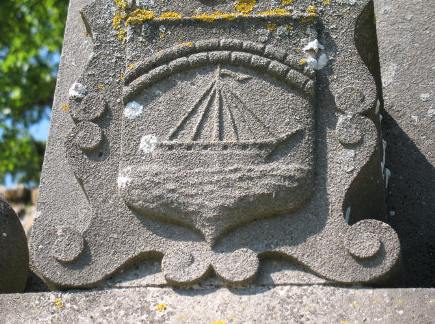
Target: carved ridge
column 187, row 49
column 273, row 67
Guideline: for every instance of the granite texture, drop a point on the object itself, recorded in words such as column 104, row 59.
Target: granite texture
column 405, row 32
column 14, row 253
column 210, row 137
column 283, row 304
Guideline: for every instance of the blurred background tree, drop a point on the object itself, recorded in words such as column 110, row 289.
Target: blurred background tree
column 31, row 33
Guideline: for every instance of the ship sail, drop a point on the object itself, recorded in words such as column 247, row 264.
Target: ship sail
column 219, row 115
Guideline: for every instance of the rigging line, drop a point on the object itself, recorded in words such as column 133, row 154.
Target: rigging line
column 218, row 117
column 253, row 115
column 241, row 114
column 230, row 112
column 191, row 112
column 218, row 72
column 204, row 114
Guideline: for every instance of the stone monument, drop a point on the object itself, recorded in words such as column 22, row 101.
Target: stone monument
column 212, row 135
column 14, row 254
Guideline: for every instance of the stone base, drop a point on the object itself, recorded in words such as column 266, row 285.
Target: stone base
column 282, row 304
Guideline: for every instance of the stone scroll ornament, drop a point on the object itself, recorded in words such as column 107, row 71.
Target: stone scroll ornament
column 212, row 134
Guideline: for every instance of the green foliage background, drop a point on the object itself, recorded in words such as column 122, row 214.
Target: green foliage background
column 31, row 33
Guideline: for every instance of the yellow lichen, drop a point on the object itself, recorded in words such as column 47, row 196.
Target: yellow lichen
column 118, row 19
column 290, row 27
column 311, row 15
column 217, row 15
column 131, row 66
column 140, row 16
column 302, row 61
column 101, row 86
column 326, row 2
column 286, row 2
column 58, row 303
column 170, row 15
column 219, row 322
column 189, row 44
column 276, row 12
column 245, row 6
column 271, row 27
column 121, row 35
column 122, row 77
column 161, row 307
column 121, row 4
column 65, row 107
column 312, row 11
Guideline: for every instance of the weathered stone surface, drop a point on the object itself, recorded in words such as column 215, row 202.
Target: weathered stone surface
column 271, row 273
column 210, row 136
column 14, row 254
column 405, row 35
column 314, row 304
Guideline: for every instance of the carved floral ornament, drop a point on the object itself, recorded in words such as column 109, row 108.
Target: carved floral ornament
column 215, row 151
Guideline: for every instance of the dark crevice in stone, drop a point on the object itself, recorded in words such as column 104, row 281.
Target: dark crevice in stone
column 366, row 42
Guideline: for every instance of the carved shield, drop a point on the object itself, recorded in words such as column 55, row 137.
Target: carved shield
column 216, row 133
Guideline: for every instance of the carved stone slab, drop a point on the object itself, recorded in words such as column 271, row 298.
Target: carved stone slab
column 212, row 136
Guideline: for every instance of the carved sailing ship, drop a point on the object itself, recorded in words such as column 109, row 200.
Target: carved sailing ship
column 224, row 153
column 214, row 121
